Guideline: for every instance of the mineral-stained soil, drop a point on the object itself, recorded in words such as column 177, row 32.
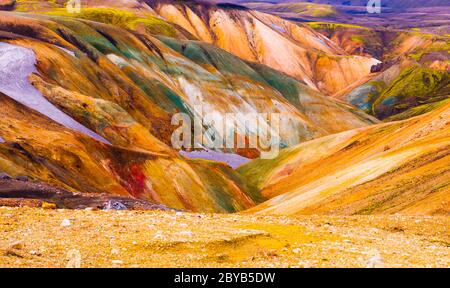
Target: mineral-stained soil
column 32, row 237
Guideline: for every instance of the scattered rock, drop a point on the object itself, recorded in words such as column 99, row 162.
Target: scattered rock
column 22, row 178
column 35, row 253
column 222, row 257
column 159, row 235
column 375, row 262
column 304, row 264
column 377, row 68
column 73, row 259
column 14, row 253
column 17, row 245
column 115, row 205
column 186, row 234
column 4, row 176
column 65, row 223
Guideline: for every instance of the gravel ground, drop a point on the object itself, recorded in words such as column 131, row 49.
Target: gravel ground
column 33, row 237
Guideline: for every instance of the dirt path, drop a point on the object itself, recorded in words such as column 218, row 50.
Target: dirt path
column 31, row 237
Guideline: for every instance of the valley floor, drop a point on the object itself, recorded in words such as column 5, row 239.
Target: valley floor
column 31, row 237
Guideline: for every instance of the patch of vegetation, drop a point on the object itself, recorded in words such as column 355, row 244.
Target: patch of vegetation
column 414, row 87
column 308, row 9
column 333, row 26
column 84, row 37
column 124, row 19
column 357, row 39
column 441, row 44
column 416, row 111
column 154, row 26
column 257, row 172
column 35, row 6
column 207, row 54
column 378, row 87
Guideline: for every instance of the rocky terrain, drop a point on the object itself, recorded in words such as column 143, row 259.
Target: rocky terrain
column 62, row 238
column 89, row 175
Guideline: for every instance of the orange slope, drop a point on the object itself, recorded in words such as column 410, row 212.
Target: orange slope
column 399, row 167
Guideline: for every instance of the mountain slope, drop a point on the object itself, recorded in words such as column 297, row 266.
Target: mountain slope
column 397, row 4
column 399, row 167
column 35, row 146
column 413, row 78
column 411, row 41
column 122, row 86
column 151, row 79
column 294, row 49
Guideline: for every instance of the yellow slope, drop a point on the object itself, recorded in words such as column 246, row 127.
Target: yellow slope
column 399, row 167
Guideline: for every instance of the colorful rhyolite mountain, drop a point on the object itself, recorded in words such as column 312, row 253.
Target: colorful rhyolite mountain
column 294, row 49
column 398, row 167
column 48, row 152
column 87, row 102
column 398, row 4
column 414, row 78
column 87, row 106
column 411, row 40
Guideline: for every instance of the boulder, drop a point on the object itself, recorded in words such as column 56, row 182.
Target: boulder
column 377, row 68
column 22, row 178
column 115, row 205
column 4, row 176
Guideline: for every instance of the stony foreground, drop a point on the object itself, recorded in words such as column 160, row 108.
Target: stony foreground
column 31, row 237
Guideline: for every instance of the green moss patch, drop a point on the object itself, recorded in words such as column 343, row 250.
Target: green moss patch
column 414, row 87
column 124, row 19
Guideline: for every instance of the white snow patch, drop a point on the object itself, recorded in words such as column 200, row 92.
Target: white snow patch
column 2, row 140
column 16, row 65
column 233, row 160
column 71, row 53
